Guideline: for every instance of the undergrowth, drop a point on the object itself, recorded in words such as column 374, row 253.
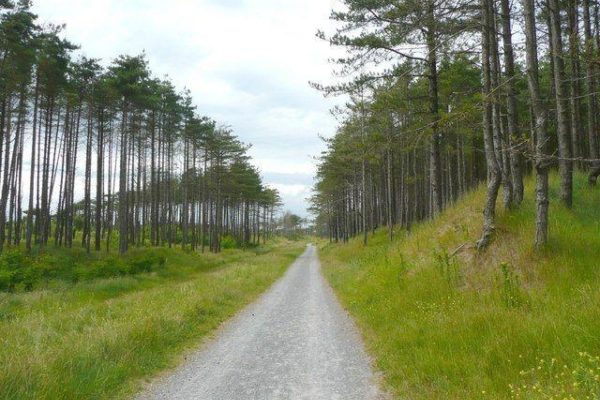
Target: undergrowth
column 23, row 271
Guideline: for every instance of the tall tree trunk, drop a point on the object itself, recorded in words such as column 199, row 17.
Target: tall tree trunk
column 494, row 174
column 575, row 99
column 565, row 165
column 590, row 50
column 87, row 222
column 389, row 192
column 500, row 134
column 539, row 113
column 434, row 156
column 99, row 181
column 123, row 195
column 32, row 168
column 515, row 138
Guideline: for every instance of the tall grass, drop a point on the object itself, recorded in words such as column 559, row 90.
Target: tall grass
column 469, row 325
column 98, row 339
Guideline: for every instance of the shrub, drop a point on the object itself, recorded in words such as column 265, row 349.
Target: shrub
column 22, row 271
column 54, row 266
column 228, row 242
column 145, row 262
column 109, row 267
column 15, row 270
column 6, row 280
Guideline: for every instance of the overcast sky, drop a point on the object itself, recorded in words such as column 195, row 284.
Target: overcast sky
column 246, row 62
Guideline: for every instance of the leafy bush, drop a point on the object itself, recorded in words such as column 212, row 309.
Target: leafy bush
column 22, row 271
column 6, row 280
column 228, row 242
column 15, row 270
column 109, row 267
column 53, row 266
column 146, row 262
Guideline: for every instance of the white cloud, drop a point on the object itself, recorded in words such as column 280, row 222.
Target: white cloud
column 291, row 190
column 294, row 196
column 290, row 167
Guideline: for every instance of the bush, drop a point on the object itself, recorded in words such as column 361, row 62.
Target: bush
column 111, row 267
column 106, row 268
column 15, row 270
column 6, row 280
column 55, row 266
column 146, row 262
column 22, row 271
column 228, row 242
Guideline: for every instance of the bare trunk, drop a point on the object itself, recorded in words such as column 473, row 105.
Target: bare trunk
column 123, row 203
column 565, row 165
column 515, row 139
column 494, row 174
column 539, row 113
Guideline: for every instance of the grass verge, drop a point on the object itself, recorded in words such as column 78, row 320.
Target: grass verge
column 444, row 322
column 99, row 339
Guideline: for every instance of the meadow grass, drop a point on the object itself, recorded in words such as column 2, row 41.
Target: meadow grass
column 100, row 339
column 443, row 321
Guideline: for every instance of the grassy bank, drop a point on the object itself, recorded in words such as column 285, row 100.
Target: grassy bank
column 98, row 338
column 444, row 322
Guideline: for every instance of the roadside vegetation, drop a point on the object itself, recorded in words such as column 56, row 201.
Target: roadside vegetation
column 444, row 321
column 465, row 291
column 22, row 271
column 102, row 324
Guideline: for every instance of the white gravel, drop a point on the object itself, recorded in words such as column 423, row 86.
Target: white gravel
column 295, row 342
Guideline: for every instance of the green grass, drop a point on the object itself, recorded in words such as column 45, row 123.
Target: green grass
column 100, row 339
column 489, row 325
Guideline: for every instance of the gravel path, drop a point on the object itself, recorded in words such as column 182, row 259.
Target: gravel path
column 295, row 342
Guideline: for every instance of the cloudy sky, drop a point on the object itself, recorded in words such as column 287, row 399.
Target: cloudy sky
column 246, row 62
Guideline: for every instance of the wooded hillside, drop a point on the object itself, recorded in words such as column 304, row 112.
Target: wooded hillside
column 446, row 94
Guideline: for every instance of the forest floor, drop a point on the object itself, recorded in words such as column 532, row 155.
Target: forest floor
column 99, row 338
column 445, row 322
column 295, row 342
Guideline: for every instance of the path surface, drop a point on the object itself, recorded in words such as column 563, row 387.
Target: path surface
column 295, row 342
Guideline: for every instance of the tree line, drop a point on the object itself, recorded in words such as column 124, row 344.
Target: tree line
column 112, row 156
column 447, row 94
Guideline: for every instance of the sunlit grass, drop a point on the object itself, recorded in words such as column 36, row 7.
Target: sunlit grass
column 465, row 326
column 98, row 339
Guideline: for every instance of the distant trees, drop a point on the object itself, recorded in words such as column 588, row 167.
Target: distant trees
column 113, row 155
column 448, row 101
column 292, row 225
